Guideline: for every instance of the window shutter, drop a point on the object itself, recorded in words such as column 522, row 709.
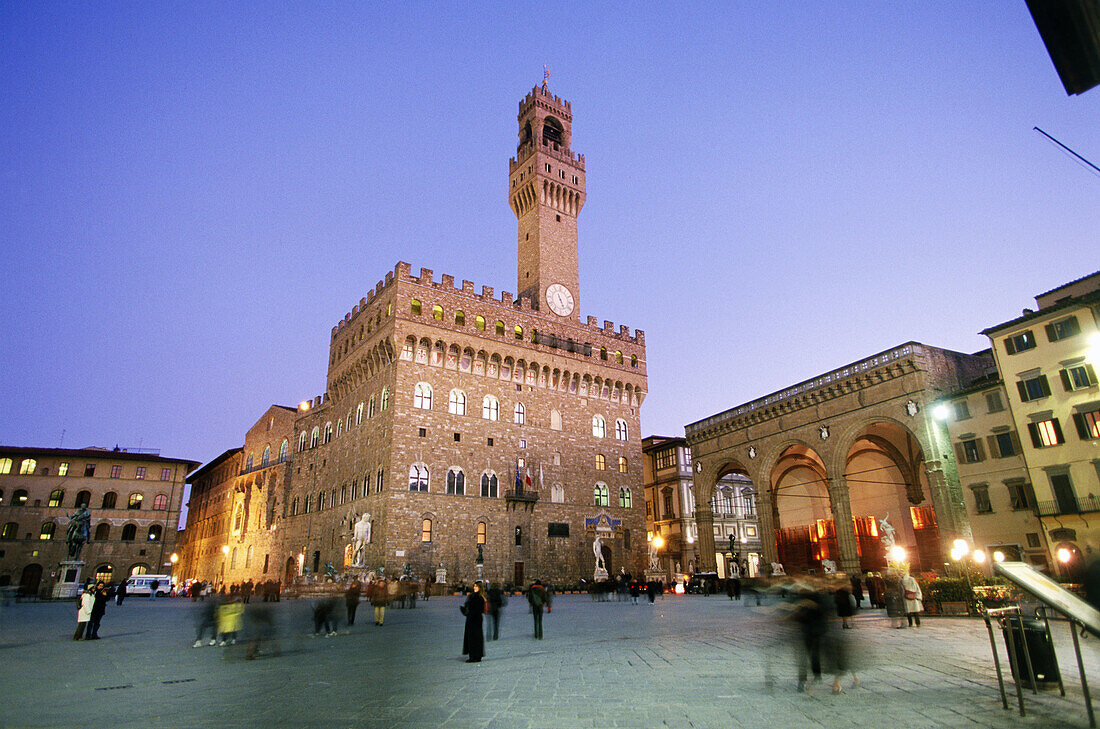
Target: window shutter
column 1016, row 442
column 980, row 448
column 960, row 453
column 1058, row 431
column 1064, row 374
column 1033, row 430
column 1022, row 389
column 1045, row 385
column 1082, row 426
column 1092, row 374
column 1009, row 346
column 994, row 451
column 1052, row 334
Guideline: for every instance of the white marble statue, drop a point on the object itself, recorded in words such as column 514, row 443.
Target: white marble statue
column 362, row 539
column 886, row 532
column 777, row 569
column 653, row 563
column 597, row 549
column 829, row 566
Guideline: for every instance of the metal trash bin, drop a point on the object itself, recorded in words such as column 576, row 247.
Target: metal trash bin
column 1040, row 650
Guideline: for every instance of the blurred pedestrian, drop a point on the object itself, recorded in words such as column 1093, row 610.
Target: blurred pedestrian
column 379, row 596
column 84, row 611
column 473, row 639
column 351, row 599
column 100, row 598
column 811, row 615
column 538, row 598
column 229, row 620
column 153, row 589
column 912, row 595
column 496, row 605
column 206, row 617
column 261, row 627
column 324, row 616
column 857, row 591
column 845, row 605
column 120, row 593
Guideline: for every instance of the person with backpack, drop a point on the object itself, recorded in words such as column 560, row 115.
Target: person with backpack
column 538, row 598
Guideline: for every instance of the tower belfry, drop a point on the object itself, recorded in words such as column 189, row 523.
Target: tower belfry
column 546, row 192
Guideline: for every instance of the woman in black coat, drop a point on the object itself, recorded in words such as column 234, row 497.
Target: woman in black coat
column 473, row 639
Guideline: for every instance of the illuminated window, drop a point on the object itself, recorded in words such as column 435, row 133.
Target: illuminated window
column 456, row 482
column 56, row 497
column 27, row 466
column 134, row 502
column 622, row 464
column 418, row 477
column 1046, row 433
column 5, row 465
column 457, row 403
column 422, row 396
column 500, row 328
column 601, row 462
column 460, row 318
column 10, row 531
column 415, row 308
column 46, row 532
column 634, row 361
column 63, row 470
column 599, row 426
column 490, row 408
column 618, row 357
column 426, row 530
column 481, row 532
column 19, row 498
column 479, row 323
column 437, row 312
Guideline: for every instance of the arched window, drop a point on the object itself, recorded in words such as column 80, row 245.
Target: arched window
column 481, row 532
column 266, row 457
column 328, row 433
column 238, row 518
column 248, row 463
column 618, row 357
column 624, row 497
column 456, row 482
column 104, row 573
column 339, row 428
column 129, row 532
column 56, row 496
column 154, row 533
column 500, row 328
column 460, row 318
column 26, row 468
column 600, row 495
column 233, row 558
column 489, row 485
column 555, row 420
column 83, row 498
column 603, row 353
column 490, row 408
column 437, row 312
column 315, row 436
column 622, row 464
column 46, row 532
column 102, row 532
column 321, row 501
column 418, row 477
column 426, row 530
column 359, row 414
column 385, row 398
column 519, row 332
column 479, row 323
column 621, row 431
column 457, row 404
column 601, row 462
column 599, row 426
column 5, row 463
column 422, row 396
column 557, row 494
column 634, row 361
column 19, row 497
column 134, row 502
column 302, row 441
column 519, row 417
column 415, row 308
column 139, row 569
column 109, row 500
column 370, row 407
column 10, row 531
column 284, row 449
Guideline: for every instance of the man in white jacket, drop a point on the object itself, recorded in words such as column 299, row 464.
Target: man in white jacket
column 84, row 611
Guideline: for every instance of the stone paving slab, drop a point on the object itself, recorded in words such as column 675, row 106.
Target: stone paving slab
column 689, row 662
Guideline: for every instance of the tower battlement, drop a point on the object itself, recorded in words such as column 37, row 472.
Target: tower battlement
column 541, row 95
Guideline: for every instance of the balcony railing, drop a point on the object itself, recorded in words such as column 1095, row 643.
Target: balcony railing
column 1081, row 505
column 262, row 466
column 524, row 495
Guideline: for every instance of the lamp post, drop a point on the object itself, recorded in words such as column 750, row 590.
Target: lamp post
column 960, row 550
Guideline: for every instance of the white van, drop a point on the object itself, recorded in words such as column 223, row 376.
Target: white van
column 143, row 584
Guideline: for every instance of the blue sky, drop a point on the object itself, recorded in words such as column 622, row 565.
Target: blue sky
column 193, row 194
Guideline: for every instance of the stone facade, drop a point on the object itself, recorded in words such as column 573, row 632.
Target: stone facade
column 457, row 418
column 134, row 499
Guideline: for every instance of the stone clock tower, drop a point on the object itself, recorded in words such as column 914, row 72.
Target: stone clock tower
column 546, row 192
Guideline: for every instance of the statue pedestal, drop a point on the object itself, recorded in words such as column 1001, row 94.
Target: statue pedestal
column 599, row 574
column 441, row 576
column 480, row 568
column 655, row 576
column 68, row 584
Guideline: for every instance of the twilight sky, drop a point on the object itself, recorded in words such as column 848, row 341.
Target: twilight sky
column 192, row 195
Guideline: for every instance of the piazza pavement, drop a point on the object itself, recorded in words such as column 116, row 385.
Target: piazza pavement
column 687, row 661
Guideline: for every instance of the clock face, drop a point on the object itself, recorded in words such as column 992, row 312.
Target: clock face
column 560, row 300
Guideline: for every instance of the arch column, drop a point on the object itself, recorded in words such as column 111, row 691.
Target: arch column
column 704, row 525
column 766, row 518
column 845, row 530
